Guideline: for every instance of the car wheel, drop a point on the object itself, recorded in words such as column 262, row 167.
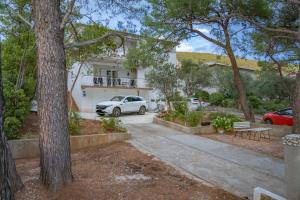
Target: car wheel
column 116, row 112
column 142, row 110
column 268, row 121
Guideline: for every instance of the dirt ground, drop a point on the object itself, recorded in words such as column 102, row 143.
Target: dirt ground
column 273, row 147
column 118, row 172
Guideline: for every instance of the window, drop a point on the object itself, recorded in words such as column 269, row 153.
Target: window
column 129, row 99
column 288, row 112
column 137, row 99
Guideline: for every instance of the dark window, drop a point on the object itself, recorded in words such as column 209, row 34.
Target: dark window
column 129, row 99
column 137, row 99
column 288, row 112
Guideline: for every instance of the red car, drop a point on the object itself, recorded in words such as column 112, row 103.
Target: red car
column 282, row 117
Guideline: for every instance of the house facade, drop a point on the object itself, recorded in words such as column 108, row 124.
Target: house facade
column 104, row 76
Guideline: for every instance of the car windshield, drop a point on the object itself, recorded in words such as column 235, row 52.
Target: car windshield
column 118, row 98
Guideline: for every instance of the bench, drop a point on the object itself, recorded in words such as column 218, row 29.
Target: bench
column 241, row 128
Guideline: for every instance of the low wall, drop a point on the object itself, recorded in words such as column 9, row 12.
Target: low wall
column 190, row 130
column 29, row 148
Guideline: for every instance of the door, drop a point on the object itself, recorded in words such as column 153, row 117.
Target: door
column 285, row 117
column 137, row 103
column 128, row 105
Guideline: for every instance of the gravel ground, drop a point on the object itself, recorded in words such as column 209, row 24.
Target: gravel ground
column 118, row 171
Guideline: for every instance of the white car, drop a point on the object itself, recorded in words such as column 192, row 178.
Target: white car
column 193, row 104
column 122, row 104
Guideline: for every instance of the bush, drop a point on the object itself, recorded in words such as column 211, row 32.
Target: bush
column 12, row 128
column 112, row 124
column 225, row 122
column 214, row 115
column 216, row 98
column 74, row 120
column 202, row 95
column 254, row 101
column 16, row 103
column 222, row 122
column 180, row 107
column 16, row 108
column 194, row 118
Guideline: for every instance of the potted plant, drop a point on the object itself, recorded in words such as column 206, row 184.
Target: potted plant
column 221, row 124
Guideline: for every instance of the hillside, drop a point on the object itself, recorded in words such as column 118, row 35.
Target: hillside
column 208, row 57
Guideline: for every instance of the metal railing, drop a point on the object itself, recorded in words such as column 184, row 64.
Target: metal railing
column 103, row 81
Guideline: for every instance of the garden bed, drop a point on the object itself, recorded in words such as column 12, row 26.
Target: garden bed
column 115, row 172
column 30, row 128
column 191, row 130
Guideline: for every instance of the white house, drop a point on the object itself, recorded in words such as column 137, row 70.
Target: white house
column 104, row 76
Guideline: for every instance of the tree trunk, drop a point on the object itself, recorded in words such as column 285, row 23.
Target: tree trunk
column 240, row 86
column 55, row 159
column 295, row 106
column 10, row 181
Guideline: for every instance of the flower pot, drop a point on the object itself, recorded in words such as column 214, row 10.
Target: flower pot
column 220, row 130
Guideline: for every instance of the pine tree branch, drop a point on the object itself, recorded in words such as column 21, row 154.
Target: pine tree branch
column 69, row 11
column 94, row 41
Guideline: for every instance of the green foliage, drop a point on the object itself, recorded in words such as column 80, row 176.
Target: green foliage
column 16, row 109
column 112, row 124
column 180, row 107
column 222, row 123
column 216, row 98
column 12, row 128
column 230, row 103
column 254, row 101
column 193, row 76
column 214, row 115
column 202, row 95
column 224, row 80
column 270, row 85
column 164, row 77
column 193, row 118
column 88, row 32
column 16, row 103
column 74, row 120
column 225, row 122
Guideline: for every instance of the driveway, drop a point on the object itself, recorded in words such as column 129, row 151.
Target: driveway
column 126, row 118
column 232, row 168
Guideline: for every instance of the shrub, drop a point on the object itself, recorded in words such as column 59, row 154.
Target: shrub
column 12, row 128
column 216, row 98
column 74, row 120
column 222, row 122
column 255, row 102
column 112, row 124
column 180, row 107
column 16, row 108
column 214, row 115
column 194, row 118
column 225, row 122
column 202, row 95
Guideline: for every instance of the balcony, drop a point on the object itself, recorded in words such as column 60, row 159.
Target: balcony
column 103, row 81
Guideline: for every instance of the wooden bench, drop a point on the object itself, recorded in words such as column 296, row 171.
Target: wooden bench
column 241, row 128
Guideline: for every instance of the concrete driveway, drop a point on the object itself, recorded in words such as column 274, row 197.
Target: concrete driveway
column 232, row 168
column 126, row 118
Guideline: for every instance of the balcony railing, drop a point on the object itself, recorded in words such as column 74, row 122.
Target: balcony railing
column 103, row 81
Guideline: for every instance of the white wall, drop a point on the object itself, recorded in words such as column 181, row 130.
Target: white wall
column 96, row 95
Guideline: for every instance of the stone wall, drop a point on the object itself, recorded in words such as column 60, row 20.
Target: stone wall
column 29, row 148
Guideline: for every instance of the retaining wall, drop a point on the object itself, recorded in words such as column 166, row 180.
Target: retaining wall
column 29, row 148
column 190, row 130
